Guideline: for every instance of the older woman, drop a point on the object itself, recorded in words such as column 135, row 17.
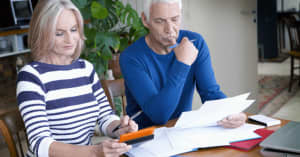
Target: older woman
column 59, row 95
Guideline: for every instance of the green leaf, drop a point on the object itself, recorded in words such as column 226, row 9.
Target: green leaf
column 80, row 3
column 119, row 7
column 109, row 39
column 139, row 33
column 123, row 44
column 100, row 67
column 106, row 53
column 107, row 3
column 98, row 11
column 118, row 105
column 86, row 13
column 102, row 2
column 90, row 34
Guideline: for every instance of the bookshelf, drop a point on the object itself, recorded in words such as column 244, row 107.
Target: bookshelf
column 15, row 38
column 6, row 54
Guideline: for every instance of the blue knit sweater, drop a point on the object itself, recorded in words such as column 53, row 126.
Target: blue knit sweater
column 163, row 87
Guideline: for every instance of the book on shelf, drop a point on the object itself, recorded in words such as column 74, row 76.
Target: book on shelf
column 264, row 120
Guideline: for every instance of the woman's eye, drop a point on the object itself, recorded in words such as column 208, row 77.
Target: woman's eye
column 74, row 29
column 59, row 34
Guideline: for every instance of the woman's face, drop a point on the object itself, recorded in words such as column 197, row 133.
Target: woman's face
column 66, row 34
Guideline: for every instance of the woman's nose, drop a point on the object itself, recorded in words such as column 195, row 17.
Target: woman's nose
column 68, row 37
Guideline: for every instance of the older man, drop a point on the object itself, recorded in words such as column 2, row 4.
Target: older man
column 162, row 69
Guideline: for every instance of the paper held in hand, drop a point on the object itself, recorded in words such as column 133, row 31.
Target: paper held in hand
column 213, row 111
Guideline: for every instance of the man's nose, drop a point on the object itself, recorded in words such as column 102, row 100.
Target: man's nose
column 168, row 27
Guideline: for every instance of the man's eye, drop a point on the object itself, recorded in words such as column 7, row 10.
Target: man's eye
column 175, row 19
column 158, row 21
column 59, row 34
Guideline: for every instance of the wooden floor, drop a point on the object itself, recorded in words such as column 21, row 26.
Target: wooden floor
column 291, row 109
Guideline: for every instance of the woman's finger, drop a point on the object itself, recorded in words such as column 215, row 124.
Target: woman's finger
column 115, row 147
column 132, row 126
column 125, row 121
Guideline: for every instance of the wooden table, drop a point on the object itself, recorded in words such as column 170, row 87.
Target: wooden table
column 207, row 152
column 227, row 152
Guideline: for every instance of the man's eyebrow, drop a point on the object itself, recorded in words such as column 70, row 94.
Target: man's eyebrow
column 175, row 16
column 159, row 18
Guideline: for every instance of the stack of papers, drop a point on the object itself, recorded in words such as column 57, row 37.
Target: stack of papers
column 199, row 129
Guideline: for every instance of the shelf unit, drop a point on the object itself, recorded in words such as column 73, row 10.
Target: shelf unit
column 6, row 54
column 12, row 32
column 15, row 51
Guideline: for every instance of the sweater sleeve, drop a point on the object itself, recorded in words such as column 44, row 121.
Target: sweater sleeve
column 206, row 83
column 157, row 104
column 31, row 101
column 106, row 114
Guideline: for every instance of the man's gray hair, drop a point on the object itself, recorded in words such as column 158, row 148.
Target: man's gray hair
column 148, row 3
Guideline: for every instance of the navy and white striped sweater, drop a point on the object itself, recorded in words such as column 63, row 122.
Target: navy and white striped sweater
column 61, row 103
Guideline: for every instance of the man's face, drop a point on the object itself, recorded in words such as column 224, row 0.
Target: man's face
column 163, row 23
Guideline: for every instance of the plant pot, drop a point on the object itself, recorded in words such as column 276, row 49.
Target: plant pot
column 115, row 66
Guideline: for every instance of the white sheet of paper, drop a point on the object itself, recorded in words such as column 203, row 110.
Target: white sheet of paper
column 197, row 137
column 242, row 133
column 160, row 146
column 203, row 137
column 212, row 111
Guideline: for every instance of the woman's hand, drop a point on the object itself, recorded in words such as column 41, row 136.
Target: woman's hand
column 233, row 121
column 126, row 125
column 110, row 148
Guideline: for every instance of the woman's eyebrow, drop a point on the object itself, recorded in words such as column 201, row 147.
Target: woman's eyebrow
column 59, row 29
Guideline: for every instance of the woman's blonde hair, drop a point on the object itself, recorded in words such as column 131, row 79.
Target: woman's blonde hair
column 43, row 26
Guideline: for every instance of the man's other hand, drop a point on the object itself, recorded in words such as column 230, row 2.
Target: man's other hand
column 233, row 121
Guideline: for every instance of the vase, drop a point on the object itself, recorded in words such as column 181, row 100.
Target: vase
column 115, row 66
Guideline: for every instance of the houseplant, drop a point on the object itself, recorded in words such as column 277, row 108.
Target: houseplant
column 110, row 26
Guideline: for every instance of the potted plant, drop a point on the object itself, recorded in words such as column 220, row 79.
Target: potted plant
column 110, row 26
